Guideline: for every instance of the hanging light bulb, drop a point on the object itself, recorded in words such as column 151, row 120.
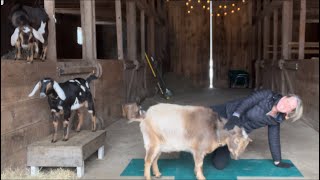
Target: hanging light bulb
column 225, row 13
column 220, row 6
column 225, row 6
column 243, row 1
column 218, row 14
column 189, row 11
column 232, row 11
column 203, row 7
column 208, row 1
column 191, row 7
column 187, row 3
column 233, row 4
column 199, row 1
column 208, row 8
column 189, row 0
column 238, row 9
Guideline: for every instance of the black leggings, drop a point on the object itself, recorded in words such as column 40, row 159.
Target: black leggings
column 221, row 157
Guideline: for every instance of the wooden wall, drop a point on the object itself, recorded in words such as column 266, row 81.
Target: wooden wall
column 23, row 119
column 189, row 43
column 189, row 39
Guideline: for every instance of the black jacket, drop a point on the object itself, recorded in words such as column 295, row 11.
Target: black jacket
column 253, row 115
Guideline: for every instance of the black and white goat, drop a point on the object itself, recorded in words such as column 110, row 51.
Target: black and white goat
column 30, row 29
column 67, row 96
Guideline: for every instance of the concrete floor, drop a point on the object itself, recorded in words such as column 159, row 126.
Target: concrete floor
column 299, row 143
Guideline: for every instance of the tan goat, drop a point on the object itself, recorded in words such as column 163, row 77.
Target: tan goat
column 194, row 129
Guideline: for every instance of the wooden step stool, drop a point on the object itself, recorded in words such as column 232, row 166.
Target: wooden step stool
column 71, row 153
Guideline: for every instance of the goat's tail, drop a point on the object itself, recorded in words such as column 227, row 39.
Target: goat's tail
column 91, row 77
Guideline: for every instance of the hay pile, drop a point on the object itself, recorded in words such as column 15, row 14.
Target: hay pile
column 48, row 173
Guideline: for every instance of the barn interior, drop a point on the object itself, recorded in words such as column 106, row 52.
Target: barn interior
column 206, row 52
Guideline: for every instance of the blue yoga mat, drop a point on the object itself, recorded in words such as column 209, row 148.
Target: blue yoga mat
column 182, row 168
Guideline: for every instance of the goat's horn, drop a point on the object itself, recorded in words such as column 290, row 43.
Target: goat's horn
column 59, row 90
column 14, row 36
column 35, row 89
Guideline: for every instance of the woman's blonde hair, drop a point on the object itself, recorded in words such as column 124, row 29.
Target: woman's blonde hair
column 297, row 113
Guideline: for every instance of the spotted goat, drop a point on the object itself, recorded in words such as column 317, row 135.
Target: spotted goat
column 30, row 29
column 194, row 129
column 66, row 97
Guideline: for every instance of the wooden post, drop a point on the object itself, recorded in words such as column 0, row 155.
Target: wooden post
column 119, row 29
column 275, row 44
column 87, row 10
column 143, row 46
column 275, row 35
column 131, row 30
column 286, row 28
column 49, row 6
column 151, row 37
column 266, row 36
column 302, row 29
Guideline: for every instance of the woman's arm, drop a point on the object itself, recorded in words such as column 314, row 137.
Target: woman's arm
column 275, row 147
column 251, row 100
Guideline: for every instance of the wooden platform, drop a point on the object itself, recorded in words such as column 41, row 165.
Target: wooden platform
column 71, row 153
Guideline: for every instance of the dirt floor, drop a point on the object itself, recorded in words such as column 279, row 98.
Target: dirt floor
column 300, row 143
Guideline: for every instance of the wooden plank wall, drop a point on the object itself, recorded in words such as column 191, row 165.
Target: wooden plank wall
column 23, row 119
column 189, row 44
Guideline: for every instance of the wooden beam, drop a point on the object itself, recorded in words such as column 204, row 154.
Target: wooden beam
column 275, row 35
column 119, row 29
column 105, row 23
column 302, row 28
column 266, row 36
column 49, row 6
column 286, row 28
column 88, row 29
column 73, row 11
column 131, row 30
column 151, row 37
column 143, row 46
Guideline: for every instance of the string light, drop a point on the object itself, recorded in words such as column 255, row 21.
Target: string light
column 238, row 9
column 188, row 11
column 225, row 6
column 208, row 8
column 203, row 7
column 220, row 6
column 232, row 11
column 208, row 1
column 191, row 7
column 225, row 13
column 218, row 14
column 187, row 3
column 233, row 4
column 199, row 1
column 243, row 1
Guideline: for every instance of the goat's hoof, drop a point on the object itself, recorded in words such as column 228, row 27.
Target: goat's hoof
column 93, row 130
column 157, row 175
column 65, row 139
column 77, row 131
column 53, row 141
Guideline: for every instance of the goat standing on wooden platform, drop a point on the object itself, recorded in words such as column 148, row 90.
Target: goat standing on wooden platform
column 67, row 96
column 26, row 20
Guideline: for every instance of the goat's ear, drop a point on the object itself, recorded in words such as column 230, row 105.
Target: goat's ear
column 14, row 36
column 37, row 35
column 35, row 89
column 41, row 29
column 59, row 90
